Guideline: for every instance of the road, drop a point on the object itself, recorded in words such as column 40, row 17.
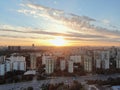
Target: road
column 67, row 80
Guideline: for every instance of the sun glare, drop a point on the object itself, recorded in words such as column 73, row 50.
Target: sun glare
column 58, row 41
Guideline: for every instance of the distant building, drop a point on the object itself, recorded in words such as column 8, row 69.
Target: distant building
column 105, row 59
column 49, row 61
column 97, row 59
column 33, row 61
column 88, row 62
column 113, row 55
column 8, row 66
column 70, row 66
column 62, row 65
column 44, row 57
column 14, row 48
column 113, row 52
column 76, row 58
column 2, row 69
column 49, row 65
column 2, row 59
column 102, row 59
column 33, row 58
column 15, row 63
column 118, row 60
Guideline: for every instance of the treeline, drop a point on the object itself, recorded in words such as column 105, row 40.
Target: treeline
column 109, row 81
column 61, row 86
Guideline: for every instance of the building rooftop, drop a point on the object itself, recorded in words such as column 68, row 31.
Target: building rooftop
column 30, row 72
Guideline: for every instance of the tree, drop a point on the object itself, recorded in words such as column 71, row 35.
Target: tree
column 76, row 86
column 30, row 88
column 51, row 87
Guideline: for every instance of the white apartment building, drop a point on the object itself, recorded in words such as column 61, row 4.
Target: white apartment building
column 44, row 57
column 15, row 63
column 105, row 56
column 33, row 61
column 118, row 60
column 49, row 65
column 8, row 67
column 88, row 63
column 2, row 69
column 97, row 59
column 70, row 66
column 2, row 59
column 49, row 61
column 113, row 52
column 76, row 58
column 98, row 63
column 102, row 59
column 62, row 65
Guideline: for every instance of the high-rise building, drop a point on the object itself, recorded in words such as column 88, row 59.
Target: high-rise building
column 33, row 58
column 113, row 55
column 105, row 56
column 62, row 65
column 88, row 62
column 33, row 61
column 70, row 66
column 15, row 63
column 2, row 69
column 76, row 58
column 113, row 52
column 118, row 60
column 14, row 48
column 49, row 65
column 2, row 59
column 44, row 57
column 102, row 59
column 97, row 59
column 8, row 67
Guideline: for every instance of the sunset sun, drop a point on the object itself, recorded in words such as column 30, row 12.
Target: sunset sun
column 58, row 41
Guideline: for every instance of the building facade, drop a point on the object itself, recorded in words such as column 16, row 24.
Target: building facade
column 76, row 58
column 70, row 66
column 118, row 60
column 62, row 65
column 49, row 65
column 88, row 62
column 33, row 61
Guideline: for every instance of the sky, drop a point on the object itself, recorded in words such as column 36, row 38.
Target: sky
column 79, row 22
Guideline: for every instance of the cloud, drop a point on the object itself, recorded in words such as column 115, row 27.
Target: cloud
column 82, row 27
column 71, row 20
column 105, row 21
column 75, row 36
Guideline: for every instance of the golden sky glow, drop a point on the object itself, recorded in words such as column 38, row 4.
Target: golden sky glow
column 56, row 24
column 58, row 41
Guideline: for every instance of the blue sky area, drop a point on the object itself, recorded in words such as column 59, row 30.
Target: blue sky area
column 91, row 18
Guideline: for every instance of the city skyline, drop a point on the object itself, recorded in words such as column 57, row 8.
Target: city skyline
column 71, row 23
